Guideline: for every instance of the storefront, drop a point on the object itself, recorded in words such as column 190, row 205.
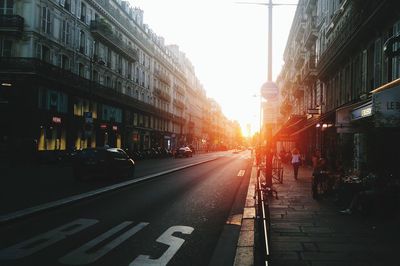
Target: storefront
column 386, row 113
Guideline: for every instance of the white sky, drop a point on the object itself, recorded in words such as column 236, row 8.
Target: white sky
column 227, row 44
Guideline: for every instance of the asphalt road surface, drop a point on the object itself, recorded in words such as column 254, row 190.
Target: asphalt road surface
column 175, row 219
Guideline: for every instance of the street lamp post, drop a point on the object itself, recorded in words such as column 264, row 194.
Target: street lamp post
column 268, row 87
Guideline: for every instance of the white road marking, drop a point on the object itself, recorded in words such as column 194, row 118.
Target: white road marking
column 167, row 238
column 81, row 255
column 42, row 241
column 241, row 173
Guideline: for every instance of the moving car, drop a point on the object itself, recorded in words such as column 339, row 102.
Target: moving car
column 184, row 152
column 103, row 162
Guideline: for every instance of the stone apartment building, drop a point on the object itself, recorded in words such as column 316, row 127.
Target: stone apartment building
column 88, row 73
column 339, row 83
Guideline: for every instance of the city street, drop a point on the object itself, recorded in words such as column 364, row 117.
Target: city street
column 175, row 218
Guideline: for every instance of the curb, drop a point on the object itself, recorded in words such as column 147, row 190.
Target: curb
column 72, row 199
column 245, row 246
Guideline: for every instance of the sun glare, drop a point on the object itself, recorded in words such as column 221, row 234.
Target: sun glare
column 227, row 44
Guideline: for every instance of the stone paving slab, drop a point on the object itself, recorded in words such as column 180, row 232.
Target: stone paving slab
column 304, row 231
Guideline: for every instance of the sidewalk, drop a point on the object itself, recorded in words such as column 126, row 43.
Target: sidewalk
column 308, row 232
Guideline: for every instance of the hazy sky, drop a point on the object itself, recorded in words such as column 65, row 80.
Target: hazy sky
column 227, row 44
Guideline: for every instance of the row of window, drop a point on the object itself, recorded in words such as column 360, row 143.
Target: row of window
column 58, row 102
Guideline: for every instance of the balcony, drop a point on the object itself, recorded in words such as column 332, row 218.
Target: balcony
column 309, row 5
column 163, row 77
column 309, row 71
column 179, row 104
column 11, row 25
column 310, row 32
column 80, row 86
column 299, row 29
column 162, row 95
column 298, row 92
column 347, row 31
column 299, row 56
column 179, row 89
column 101, row 30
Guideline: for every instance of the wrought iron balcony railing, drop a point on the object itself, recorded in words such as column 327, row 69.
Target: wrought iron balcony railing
column 310, row 32
column 102, row 30
column 179, row 89
column 179, row 103
column 162, row 94
column 11, row 24
column 309, row 70
column 86, row 87
column 344, row 32
column 162, row 77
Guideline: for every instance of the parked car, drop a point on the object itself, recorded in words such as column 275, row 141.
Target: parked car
column 184, row 152
column 103, row 162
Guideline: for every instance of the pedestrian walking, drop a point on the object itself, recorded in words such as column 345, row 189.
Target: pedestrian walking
column 296, row 162
column 315, row 159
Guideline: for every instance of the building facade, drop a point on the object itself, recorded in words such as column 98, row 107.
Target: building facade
column 339, row 82
column 85, row 73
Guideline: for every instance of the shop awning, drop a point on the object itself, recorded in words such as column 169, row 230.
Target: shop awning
column 326, row 118
column 310, row 122
column 291, row 125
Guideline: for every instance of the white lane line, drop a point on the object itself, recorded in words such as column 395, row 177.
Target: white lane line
column 42, row 207
column 37, row 243
column 82, row 255
column 241, row 173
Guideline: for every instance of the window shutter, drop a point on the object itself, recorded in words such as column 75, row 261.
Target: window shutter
column 88, row 15
column 38, row 50
column 44, row 15
column 59, row 60
column 78, row 44
column 67, row 33
column 73, row 7
column 88, row 47
column 78, row 9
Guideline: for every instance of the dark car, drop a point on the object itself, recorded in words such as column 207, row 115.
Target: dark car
column 103, row 162
column 184, row 152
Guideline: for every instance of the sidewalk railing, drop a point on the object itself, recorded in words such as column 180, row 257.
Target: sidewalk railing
column 277, row 170
column 263, row 215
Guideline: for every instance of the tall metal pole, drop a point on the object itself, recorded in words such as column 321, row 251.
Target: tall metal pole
column 270, row 41
column 268, row 127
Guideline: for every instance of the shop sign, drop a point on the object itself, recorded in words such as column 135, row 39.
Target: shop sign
column 115, row 128
column 362, row 111
column 103, row 126
column 56, row 120
column 386, row 106
column 316, row 111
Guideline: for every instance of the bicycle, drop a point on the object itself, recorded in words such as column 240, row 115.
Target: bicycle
column 319, row 184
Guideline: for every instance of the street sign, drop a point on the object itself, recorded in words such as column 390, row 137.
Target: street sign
column 269, row 90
